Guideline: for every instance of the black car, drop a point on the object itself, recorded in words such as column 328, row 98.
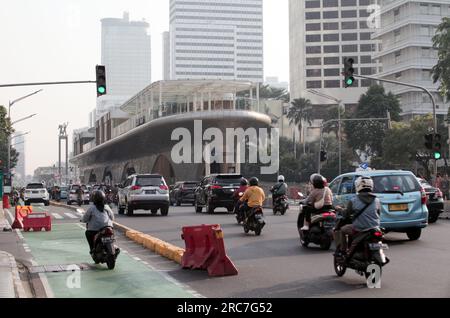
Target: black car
column 183, row 192
column 217, row 191
column 435, row 200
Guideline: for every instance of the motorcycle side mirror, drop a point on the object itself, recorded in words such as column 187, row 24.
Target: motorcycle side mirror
column 301, row 195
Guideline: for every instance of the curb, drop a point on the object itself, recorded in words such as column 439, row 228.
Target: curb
column 11, row 267
column 167, row 250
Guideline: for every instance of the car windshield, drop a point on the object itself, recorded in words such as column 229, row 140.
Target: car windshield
column 63, row 188
column 229, row 180
column 75, row 187
column 35, row 186
column 395, row 183
column 149, row 181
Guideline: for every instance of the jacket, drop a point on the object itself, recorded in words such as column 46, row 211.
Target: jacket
column 96, row 219
column 255, row 197
column 280, row 189
column 370, row 218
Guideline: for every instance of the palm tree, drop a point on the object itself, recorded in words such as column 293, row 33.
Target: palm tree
column 299, row 112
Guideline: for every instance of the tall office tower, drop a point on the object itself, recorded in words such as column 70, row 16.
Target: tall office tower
column 217, row 39
column 166, row 55
column 126, row 53
column 407, row 54
column 322, row 33
column 19, row 145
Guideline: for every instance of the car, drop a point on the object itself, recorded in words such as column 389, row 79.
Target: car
column 36, row 193
column 64, row 192
column 435, row 201
column 73, row 196
column 183, row 192
column 403, row 199
column 216, row 191
column 144, row 192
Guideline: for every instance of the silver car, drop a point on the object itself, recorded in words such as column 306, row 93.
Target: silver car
column 144, row 192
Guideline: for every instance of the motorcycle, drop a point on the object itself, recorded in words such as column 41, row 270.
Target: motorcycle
column 105, row 250
column 320, row 230
column 370, row 251
column 254, row 220
column 281, row 205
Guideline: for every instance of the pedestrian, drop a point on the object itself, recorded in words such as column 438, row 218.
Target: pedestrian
column 438, row 182
column 445, row 186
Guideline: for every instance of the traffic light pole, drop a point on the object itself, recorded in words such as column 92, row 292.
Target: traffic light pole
column 413, row 86
column 47, row 83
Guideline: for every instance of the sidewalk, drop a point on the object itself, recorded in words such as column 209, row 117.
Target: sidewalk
column 10, row 283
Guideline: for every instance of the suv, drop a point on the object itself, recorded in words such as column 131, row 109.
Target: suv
column 217, row 191
column 73, row 196
column 183, row 192
column 146, row 192
column 435, row 202
column 36, row 193
column 403, row 200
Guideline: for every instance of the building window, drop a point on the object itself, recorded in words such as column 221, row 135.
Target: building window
column 313, row 61
column 314, row 73
column 312, row 4
column 364, row 36
column 349, row 36
column 313, row 27
column 330, row 3
column 313, row 49
column 314, row 84
column 331, row 60
column 363, row 13
column 331, row 14
column 312, row 15
column 398, row 56
column 331, row 49
column 426, row 75
column 331, row 26
column 350, row 48
column 331, row 37
column 368, row 70
column 363, row 25
column 365, row 2
column 366, row 83
column 398, row 75
column 366, row 59
column 426, row 52
column 332, row 72
column 348, row 3
column 355, row 59
column 396, row 12
column 333, row 84
column 367, row 47
column 313, row 38
column 436, row 9
column 348, row 14
column 350, row 25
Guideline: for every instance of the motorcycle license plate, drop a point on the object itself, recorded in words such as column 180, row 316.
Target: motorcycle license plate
column 398, row 207
column 107, row 239
column 378, row 246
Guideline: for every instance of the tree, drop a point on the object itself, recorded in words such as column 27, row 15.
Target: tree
column 331, row 114
column 5, row 130
column 270, row 92
column 299, row 112
column 367, row 136
column 441, row 42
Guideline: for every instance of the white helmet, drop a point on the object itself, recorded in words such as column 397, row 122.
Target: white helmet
column 280, row 178
column 364, row 183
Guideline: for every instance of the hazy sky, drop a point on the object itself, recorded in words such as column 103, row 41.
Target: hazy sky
column 59, row 40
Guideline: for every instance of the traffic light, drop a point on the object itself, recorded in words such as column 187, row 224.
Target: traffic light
column 437, row 147
column 349, row 71
column 323, row 156
column 429, row 141
column 100, row 71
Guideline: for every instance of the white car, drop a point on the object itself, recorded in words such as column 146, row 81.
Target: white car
column 36, row 193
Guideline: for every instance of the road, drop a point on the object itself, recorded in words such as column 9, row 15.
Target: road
column 272, row 265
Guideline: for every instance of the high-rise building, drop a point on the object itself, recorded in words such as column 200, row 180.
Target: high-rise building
column 19, row 145
column 166, row 55
column 407, row 54
column 322, row 34
column 126, row 53
column 220, row 39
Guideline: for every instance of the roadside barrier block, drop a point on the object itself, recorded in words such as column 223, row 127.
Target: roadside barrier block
column 37, row 222
column 131, row 234
column 139, row 238
column 21, row 213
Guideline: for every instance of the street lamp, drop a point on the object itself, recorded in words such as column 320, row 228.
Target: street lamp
column 9, row 140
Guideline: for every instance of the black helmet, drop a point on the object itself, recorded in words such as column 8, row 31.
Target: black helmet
column 317, row 181
column 98, row 198
column 254, row 181
column 244, row 182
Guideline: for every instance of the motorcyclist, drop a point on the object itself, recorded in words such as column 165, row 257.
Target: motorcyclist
column 79, row 193
column 242, row 188
column 361, row 215
column 254, row 196
column 279, row 190
column 320, row 198
column 97, row 217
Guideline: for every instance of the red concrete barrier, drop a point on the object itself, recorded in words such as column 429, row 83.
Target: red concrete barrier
column 37, row 222
column 205, row 249
column 21, row 213
column 6, row 201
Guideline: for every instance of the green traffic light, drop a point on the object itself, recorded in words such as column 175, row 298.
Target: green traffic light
column 437, row 155
column 349, row 81
column 101, row 90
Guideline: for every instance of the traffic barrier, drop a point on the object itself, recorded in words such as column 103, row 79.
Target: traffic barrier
column 205, row 249
column 37, row 222
column 6, row 201
column 21, row 213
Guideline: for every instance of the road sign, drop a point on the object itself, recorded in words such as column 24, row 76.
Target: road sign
column 364, row 165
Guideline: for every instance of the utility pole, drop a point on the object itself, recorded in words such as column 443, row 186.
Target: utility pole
column 63, row 136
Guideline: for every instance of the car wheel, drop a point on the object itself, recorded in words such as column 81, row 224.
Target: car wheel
column 130, row 210
column 47, row 203
column 121, row 210
column 230, row 209
column 433, row 218
column 414, row 234
column 154, row 211
column 198, row 209
column 178, row 203
column 69, row 202
column 165, row 211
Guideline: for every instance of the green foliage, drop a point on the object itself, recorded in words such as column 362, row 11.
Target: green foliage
column 5, row 130
column 441, row 42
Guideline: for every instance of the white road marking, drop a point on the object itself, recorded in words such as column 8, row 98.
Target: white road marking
column 10, row 216
column 70, row 215
column 19, row 234
column 57, row 216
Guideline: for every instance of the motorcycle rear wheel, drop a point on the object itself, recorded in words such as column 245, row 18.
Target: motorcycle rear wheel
column 258, row 232
column 111, row 262
column 339, row 268
column 246, row 229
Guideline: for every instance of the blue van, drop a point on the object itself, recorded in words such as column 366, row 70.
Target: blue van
column 402, row 198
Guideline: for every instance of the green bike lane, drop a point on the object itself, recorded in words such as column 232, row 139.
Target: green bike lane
column 66, row 245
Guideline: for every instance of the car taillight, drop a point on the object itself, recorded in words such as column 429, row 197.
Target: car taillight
column 134, row 188
column 378, row 234
column 424, row 196
column 215, row 187
column 164, row 187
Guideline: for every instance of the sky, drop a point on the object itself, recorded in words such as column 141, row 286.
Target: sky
column 60, row 40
